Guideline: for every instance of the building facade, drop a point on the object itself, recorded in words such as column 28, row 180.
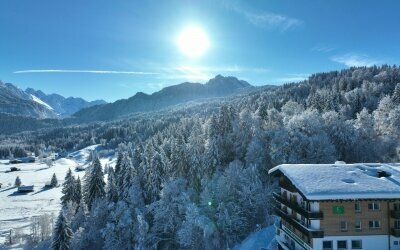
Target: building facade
column 338, row 206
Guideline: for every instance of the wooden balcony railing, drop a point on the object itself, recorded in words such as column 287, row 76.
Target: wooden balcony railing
column 311, row 233
column 298, row 209
column 395, row 232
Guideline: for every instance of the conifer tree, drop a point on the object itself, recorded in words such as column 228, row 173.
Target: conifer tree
column 94, row 183
column 118, row 164
column 80, row 217
column 54, row 181
column 62, row 234
column 78, row 191
column 68, row 189
column 396, row 95
column 17, row 182
column 112, row 191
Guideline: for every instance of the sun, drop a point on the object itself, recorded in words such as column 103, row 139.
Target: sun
column 193, row 41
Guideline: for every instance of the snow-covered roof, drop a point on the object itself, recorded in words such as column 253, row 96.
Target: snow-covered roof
column 344, row 181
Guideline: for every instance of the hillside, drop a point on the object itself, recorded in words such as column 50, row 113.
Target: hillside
column 43, row 200
column 17, row 102
column 36, row 104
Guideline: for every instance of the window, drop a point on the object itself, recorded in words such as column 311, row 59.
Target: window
column 397, row 224
column 357, row 207
column 341, row 244
column 343, row 226
column 373, row 206
column 304, row 204
column 396, row 206
column 327, row 245
column 396, row 243
column 374, row 224
column 292, row 244
column 356, row 244
column 357, row 225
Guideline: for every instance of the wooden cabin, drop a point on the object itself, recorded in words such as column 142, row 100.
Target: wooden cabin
column 26, row 189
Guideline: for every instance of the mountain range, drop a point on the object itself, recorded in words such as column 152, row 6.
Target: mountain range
column 36, row 104
column 17, row 102
column 32, row 109
column 61, row 105
column 219, row 86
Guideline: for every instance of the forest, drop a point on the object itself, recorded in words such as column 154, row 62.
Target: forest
column 195, row 176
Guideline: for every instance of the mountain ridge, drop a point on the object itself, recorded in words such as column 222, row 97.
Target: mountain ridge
column 36, row 104
column 14, row 100
column 219, row 86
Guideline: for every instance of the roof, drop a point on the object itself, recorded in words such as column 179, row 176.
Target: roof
column 344, row 181
column 25, row 188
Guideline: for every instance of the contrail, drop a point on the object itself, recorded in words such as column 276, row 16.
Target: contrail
column 84, row 71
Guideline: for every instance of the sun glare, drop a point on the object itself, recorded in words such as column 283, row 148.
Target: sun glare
column 193, row 41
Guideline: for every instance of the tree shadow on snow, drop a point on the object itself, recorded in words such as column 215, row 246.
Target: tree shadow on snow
column 4, row 190
column 16, row 193
column 42, row 190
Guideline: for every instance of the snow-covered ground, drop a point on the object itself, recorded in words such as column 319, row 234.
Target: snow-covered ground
column 260, row 240
column 38, row 100
column 17, row 210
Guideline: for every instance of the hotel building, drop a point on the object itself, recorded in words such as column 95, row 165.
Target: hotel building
column 338, row 206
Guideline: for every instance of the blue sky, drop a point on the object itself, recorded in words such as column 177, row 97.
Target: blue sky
column 113, row 49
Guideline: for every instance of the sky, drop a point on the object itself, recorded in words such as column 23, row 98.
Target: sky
column 112, row 49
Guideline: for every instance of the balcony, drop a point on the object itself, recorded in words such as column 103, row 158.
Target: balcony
column 395, row 232
column 311, row 233
column 298, row 209
column 395, row 214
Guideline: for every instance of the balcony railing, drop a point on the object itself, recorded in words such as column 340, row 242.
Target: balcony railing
column 395, row 232
column 311, row 233
column 395, row 214
column 295, row 206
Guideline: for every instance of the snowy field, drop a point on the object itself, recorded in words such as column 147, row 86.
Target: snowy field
column 17, row 210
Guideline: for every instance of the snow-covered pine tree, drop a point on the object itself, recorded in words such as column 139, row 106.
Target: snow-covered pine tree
column 120, row 168
column 68, row 189
column 80, row 217
column 118, row 164
column 94, row 183
column 112, row 191
column 125, row 176
column 153, row 177
column 396, row 95
column 78, row 191
column 17, row 182
column 179, row 161
column 54, row 181
column 62, row 234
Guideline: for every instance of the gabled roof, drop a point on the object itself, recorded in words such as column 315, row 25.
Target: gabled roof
column 344, row 181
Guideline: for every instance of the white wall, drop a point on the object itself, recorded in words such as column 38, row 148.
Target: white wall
column 373, row 242
column 314, row 206
column 315, row 224
column 392, row 241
